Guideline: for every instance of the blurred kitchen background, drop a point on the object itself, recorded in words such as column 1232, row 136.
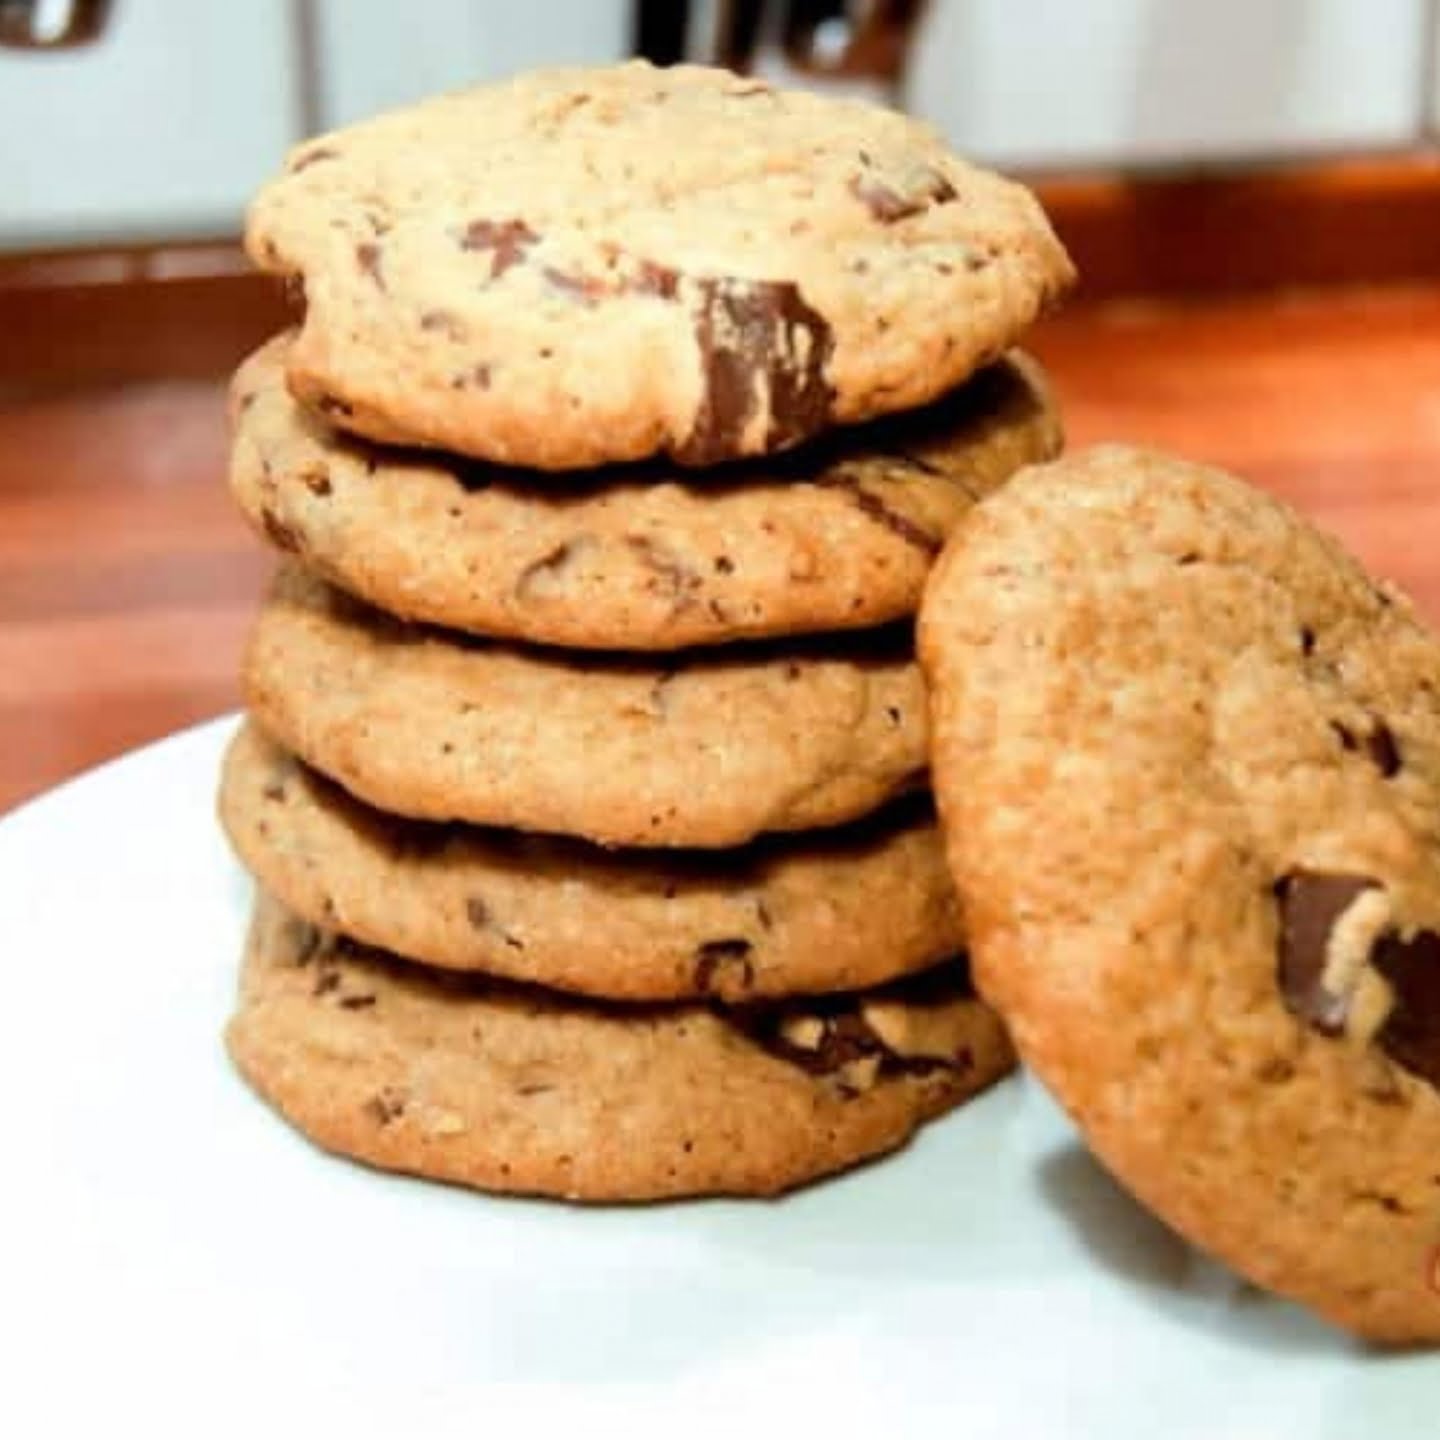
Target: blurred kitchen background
column 162, row 116
column 1251, row 189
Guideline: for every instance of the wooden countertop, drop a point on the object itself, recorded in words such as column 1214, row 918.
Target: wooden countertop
column 127, row 580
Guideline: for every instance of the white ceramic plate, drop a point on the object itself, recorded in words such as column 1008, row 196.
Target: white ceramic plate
column 171, row 1253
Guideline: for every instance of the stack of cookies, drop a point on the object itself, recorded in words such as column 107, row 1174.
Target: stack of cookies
column 585, row 778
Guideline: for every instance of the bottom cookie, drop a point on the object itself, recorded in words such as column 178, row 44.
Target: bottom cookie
column 510, row 1088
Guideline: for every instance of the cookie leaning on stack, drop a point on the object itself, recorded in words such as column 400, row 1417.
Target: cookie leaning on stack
column 1201, row 861
column 647, row 264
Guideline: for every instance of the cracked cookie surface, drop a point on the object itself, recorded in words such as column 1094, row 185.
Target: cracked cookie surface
column 589, row 265
column 708, row 752
column 833, row 911
column 503, row 1087
column 838, row 536
column 1188, row 758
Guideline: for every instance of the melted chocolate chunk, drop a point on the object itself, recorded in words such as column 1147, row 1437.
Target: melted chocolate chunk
column 506, row 240
column 1410, row 1035
column 759, row 341
column 1310, row 905
column 844, row 1038
column 874, row 508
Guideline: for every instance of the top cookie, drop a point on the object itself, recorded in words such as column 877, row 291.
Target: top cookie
column 1188, row 758
column 588, row 265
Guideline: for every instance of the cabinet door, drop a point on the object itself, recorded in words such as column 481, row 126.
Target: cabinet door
column 375, row 54
column 161, row 128
column 1055, row 82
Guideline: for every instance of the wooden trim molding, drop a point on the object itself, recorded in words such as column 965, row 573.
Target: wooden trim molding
column 1352, row 222
column 191, row 311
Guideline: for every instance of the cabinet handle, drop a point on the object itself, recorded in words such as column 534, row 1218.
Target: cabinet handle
column 51, row 24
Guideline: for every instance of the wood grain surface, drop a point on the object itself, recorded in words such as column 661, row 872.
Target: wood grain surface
column 127, row 580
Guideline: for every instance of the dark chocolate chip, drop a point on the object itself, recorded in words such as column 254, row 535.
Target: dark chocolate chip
column 357, row 1002
column 876, row 509
column 760, row 343
column 582, row 289
column 385, row 1107
column 274, row 790
column 653, row 279
column 325, row 982
column 1410, row 1035
column 1307, row 640
column 477, row 912
column 367, row 257
column 313, row 156
column 506, row 240
column 1383, row 749
column 333, row 405
column 888, row 205
column 1310, row 905
column 307, row 943
column 918, row 462
column 442, row 322
column 317, row 480
column 1379, row 745
column 844, row 1038
column 539, row 572
column 281, row 536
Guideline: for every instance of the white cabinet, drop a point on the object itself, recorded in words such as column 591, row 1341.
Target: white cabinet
column 1042, row 83
column 162, row 128
column 375, row 54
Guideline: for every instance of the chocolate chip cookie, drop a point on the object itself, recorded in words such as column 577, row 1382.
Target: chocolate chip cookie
column 590, row 265
column 502, row 1087
column 1188, row 759
column 839, row 910
column 708, row 752
column 839, row 535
